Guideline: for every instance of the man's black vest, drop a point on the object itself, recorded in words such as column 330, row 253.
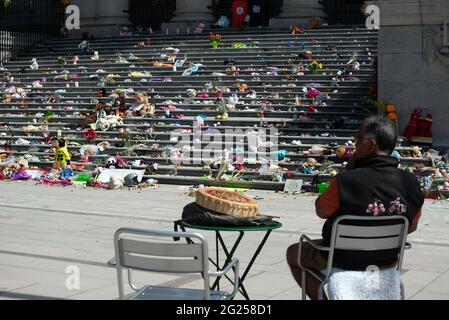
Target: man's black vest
column 375, row 187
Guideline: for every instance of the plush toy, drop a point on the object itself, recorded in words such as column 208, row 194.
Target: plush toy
column 114, row 183
column 120, row 106
column 417, row 152
column 108, row 122
column 111, row 163
column 7, row 98
column 34, row 65
column 199, row 28
column 308, row 55
column 96, row 56
column 340, row 151
column 62, row 61
column 141, row 106
column 62, row 155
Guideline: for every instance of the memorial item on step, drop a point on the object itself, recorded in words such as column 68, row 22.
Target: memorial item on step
column 239, row 9
column 62, row 155
column 227, row 202
column 215, row 40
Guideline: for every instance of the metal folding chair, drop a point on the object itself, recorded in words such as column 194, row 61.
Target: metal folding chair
column 141, row 253
column 382, row 233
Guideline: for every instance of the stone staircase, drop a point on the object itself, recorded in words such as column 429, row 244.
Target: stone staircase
column 264, row 67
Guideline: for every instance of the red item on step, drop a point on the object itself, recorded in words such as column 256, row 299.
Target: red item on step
column 313, row 23
column 239, row 11
column 423, row 132
column 410, row 130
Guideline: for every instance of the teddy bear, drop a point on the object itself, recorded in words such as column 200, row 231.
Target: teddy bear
column 141, row 106
column 120, row 106
column 417, row 152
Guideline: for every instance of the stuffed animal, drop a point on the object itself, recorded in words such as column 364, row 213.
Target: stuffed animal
column 108, row 122
column 114, row 183
column 120, row 106
column 34, row 65
column 62, row 155
column 62, row 61
column 417, row 152
column 141, row 106
column 7, row 98
column 199, row 28
column 96, row 56
column 340, row 152
column 111, row 163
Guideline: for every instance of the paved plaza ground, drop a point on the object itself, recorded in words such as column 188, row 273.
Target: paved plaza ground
column 45, row 229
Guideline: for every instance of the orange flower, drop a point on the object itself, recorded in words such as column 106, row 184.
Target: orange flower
column 392, row 116
column 390, row 108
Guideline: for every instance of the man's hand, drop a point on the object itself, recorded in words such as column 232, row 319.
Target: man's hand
column 352, row 161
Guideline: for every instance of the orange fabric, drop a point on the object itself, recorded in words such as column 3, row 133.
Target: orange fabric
column 329, row 202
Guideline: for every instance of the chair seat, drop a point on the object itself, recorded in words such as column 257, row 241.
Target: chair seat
column 167, row 293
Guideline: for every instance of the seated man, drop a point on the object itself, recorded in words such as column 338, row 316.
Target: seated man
column 372, row 185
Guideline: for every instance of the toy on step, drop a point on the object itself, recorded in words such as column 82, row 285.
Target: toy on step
column 423, row 133
column 120, row 106
column 142, row 107
column 417, row 152
column 62, row 61
column 124, row 32
column 261, row 116
column 199, row 28
column 7, row 98
column 89, row 135
column 222, row 111
column 308, row 55
column 96, row 56
column 62, row 155
column 34, row 65
column 315, row 66
column 296, row 30
column 215, row 40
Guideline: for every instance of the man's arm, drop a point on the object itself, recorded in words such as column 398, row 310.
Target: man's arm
column 414, row 224
column 328, row 202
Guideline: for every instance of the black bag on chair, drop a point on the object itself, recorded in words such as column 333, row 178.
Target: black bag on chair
column 197, row 215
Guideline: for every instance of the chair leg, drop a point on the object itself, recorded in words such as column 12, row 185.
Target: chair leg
column 402, row 291
column 320, row 291
column 303, row 284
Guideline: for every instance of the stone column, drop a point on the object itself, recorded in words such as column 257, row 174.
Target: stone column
column 188, row 14
column 102, row 18
column 298, row 12
column 414, row 62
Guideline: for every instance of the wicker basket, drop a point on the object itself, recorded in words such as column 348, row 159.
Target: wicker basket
column 227, row 202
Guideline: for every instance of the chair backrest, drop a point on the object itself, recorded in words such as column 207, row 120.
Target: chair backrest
column 359, row 233
column 147, row 254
